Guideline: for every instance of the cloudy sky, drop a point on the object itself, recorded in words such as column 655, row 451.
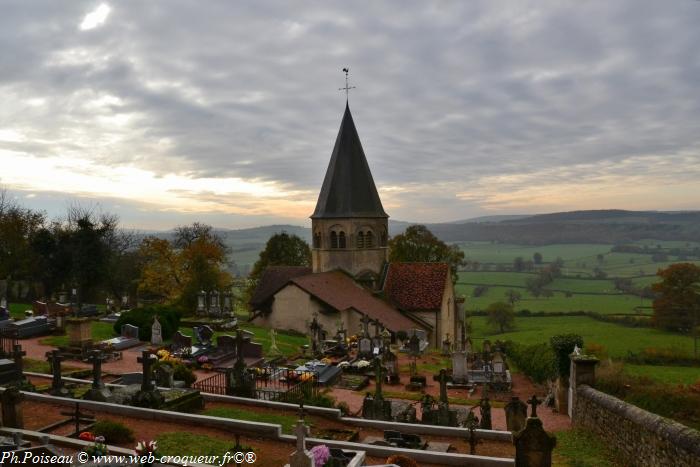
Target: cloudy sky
column 166, row 112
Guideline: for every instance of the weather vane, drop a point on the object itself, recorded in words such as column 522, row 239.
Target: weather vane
column 346, row 88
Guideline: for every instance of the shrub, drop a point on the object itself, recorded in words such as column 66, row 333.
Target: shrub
column 181, row 372
column 168, row 317
column 344, row 408
column 114, row 432
column 536, row 360
column 563, row 345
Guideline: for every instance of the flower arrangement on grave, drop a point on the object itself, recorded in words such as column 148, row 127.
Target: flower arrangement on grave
column 361, row 364
column 98, row 448
column 146, row 449
column 163, row 354
column 321, row 454
column 207, row 366
column 86, row 436
column 202, row 359
column 326, row 361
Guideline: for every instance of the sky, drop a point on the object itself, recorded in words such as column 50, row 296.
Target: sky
column 170, row 112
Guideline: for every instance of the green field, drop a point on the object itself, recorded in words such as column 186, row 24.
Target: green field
column 618, row 340
column 487, row 252
column 603, row 304
column 666, row 374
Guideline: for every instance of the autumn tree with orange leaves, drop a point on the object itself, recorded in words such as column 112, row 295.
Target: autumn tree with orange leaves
column 174, row 271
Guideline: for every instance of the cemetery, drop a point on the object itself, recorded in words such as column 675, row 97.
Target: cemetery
column 235, row 381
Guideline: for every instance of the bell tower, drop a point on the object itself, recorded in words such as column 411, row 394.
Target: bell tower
column 349, row 226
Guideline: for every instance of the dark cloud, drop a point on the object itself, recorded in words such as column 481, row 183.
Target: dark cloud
column 449, row 94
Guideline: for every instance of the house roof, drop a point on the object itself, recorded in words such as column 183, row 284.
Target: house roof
column 273, row 279
column 416, row 286
column 348, row 189
column 341, row 292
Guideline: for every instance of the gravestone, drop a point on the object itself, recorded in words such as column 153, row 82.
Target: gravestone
column 365, row 347
column 98, row 391
column 181, row 343
column 375, row 407
column 414, row 345
column 442, row 415
column 156, row 333
column 533, row 445
column 10, row 402
column 79, row 331
column 460, row 376
column 148, row 396
column 165, row 376
column 301, row 457
column 485, row 408
column 498, row 363
column 204, row 335
column 57, row 387
column 516, row 414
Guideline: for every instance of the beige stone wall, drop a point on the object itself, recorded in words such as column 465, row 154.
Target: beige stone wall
column 351, row 259
column 646, row 439
column 293, row 308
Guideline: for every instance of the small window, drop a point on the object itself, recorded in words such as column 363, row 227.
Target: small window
column 317, row 240
column 334, row 240
column 383, row 239
column 360, row 240
column 341, row 240
column 369, row 239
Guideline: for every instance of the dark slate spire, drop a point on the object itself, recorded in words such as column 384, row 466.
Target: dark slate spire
column 348, row 189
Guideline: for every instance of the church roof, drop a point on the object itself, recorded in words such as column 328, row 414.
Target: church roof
column 273, row 279
column 416, row 286
column 341, row 292
column 348, row 189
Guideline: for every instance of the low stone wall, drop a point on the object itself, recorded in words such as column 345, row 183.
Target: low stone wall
column 646, row 439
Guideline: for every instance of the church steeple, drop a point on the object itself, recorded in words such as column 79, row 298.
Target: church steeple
column 350, row 227
column 348, row 189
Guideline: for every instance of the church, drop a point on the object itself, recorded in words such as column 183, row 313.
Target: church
column 351, row 279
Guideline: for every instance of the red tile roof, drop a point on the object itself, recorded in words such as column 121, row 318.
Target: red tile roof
column 341, row 292
column 273, row 279
column 416, row 286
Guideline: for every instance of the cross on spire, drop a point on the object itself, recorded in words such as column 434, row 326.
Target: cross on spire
column 347, row 88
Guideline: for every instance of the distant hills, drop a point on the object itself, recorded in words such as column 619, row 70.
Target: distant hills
column 600, row 226
column 611, row 226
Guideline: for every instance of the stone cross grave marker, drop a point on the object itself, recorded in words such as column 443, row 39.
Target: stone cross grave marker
column 442, row 379
column 274, row 350
column 156, row 333
column 11, row 408
column 472, row 423
column 485, row 407
column 56, row 358
column 534, row 402
column 96, row 357
column 301, row 457
column 17, row 354
column 146, row 360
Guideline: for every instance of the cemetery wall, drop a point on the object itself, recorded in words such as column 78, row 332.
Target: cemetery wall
column 645, row 438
